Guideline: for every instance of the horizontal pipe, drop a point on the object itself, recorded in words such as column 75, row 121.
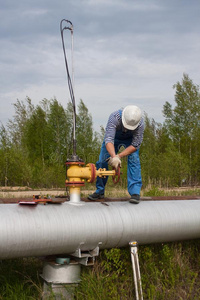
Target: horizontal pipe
column 41, row 230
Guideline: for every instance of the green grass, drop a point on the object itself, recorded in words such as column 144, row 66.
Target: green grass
column 20, row 280
column 116, row 191
column 168, row 271
column 155, row 191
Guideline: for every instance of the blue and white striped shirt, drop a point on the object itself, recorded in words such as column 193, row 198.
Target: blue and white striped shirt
column 115, row 129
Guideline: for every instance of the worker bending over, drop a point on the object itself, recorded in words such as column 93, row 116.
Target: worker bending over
column 125, row 128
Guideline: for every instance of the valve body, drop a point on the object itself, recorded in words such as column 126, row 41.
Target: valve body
column 77, row 173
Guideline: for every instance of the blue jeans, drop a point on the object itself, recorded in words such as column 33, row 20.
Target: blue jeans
column 133, row 171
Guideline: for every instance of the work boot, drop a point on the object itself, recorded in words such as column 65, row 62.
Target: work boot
column 135, row 199
column 95, row 196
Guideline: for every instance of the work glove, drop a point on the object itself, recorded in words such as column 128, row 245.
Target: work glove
column 114, row 162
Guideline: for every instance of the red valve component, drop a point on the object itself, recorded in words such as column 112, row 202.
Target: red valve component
column 116, row 177
column 74, row 183
column 74, row 163
column 93, row 173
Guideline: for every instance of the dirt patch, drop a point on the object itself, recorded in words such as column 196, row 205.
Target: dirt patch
column 26, row 194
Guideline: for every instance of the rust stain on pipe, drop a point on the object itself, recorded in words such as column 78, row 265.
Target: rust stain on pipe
column 115, row 199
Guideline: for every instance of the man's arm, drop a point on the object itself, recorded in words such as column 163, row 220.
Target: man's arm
column 111, row 150
column 114, row 159
column 130, row 149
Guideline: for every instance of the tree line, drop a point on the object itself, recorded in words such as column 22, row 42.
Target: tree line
column 36, row 142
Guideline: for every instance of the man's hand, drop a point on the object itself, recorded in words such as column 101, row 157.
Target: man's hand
column 115, row 162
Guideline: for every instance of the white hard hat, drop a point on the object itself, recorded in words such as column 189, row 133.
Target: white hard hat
column 131, row 116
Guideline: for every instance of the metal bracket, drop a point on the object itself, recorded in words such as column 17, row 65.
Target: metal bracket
column 86, row 257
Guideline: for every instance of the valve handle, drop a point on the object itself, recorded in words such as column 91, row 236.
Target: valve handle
column 116, row 177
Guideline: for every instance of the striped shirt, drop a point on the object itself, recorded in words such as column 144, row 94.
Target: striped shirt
column 116, row 130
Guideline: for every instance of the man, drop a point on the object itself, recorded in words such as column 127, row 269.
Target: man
column 125, row 128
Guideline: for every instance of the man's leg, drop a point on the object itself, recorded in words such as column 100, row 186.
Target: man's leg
column 134, row 174
column 102, row 163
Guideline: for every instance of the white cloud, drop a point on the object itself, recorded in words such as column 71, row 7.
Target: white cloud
column 34, row 12
column 125, row 5
column 123, row 51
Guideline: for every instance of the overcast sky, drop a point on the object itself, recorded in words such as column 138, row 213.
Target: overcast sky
column 125, row 52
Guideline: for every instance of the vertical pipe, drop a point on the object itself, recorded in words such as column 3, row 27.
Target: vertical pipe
column 136, row 270
column 75, row 195
column 74, row 114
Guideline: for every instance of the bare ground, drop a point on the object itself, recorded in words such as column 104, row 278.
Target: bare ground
column 23, row 192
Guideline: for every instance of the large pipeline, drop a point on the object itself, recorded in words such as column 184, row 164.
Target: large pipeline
column 54, row 229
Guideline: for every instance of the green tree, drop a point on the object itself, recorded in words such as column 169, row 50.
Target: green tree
column 37, row 133
column 4, row 155
column 59, row 132
column 17, row 126
column 13, row 167
column 183, row 124
column 148, row 151
column 84, row 132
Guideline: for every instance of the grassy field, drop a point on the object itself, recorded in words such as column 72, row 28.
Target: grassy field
column 168, row 271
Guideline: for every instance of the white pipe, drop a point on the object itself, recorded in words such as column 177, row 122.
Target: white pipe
column 61, row 228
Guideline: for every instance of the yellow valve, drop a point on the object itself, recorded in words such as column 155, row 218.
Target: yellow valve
column 77, row 174
column 103, row 172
